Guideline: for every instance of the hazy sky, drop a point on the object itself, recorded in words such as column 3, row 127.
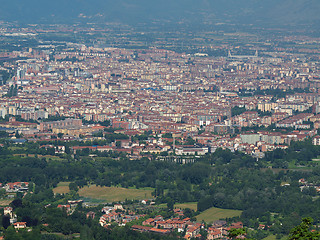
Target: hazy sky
column 134, row 11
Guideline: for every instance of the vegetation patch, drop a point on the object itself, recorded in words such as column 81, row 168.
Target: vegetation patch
column 62, row 187
column 191, row 205
column 114, row 194
column 5, row 202
column 274, row 237
column 214, row 214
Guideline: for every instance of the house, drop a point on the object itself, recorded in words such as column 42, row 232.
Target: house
column 144, row 202
column 118, row 207
column 67, row 207
column 91, row 215
column 107, row 209
column 141, row 228
column 160, row 231
column 193, row 230
column 237, row 225
column 149, row 221
column 214, row 233
column 316, row 140
column 20, row 225
column 16, row 186
column 8, row 211
column 111, row 216
column 103, row 220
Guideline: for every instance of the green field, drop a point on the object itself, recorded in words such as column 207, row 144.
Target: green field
column 273, row 237
column 114, row 194
column 5, row 202
column 63, row 187
column 191, row 205
column 214, row 214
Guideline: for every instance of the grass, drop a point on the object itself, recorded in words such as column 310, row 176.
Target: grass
column 270, row 237
column 114, row 194
column 17, row 148
column 214, row 214
column 191, row 205
column 273, row 237
column 47, row 157
column 62, row 236
column 5, row 202
column 63, row 187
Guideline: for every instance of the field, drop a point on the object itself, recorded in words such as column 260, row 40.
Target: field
column 114, row 194
column 214, row 214
column 191, row 205
column 63, row 187
column 5, row 202
column 47, row 157
column 273, row 237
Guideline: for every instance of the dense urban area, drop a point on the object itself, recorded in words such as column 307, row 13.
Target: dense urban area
column 108, row 132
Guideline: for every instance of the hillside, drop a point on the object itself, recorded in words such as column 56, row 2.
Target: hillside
column 257, row 12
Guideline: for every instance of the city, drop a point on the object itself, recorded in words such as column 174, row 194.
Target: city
column 117, row 131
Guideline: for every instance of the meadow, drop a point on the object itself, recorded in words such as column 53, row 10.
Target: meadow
column 214, row 214
column 115, row 194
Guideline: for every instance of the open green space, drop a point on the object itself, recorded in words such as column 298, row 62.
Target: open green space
column 214, row 214
column 47, row 157
column 114, row 194
column 15, row 148
column 273, row 237
column 5, row 202
column 191, row 205
column 270, row 237
column 62, row 187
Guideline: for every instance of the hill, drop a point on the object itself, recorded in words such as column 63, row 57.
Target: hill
column 257, row 12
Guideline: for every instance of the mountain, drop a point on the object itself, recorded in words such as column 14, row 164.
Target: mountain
column 256, row 12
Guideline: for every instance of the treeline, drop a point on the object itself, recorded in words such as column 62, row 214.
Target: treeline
column 13, row 91
column 48, row 224
column 4, row 77
column 301, row 152
column 223, row 179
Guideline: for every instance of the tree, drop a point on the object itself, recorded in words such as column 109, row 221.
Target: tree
column 16, row 203
column 2, row 192
column 237, row 110
column 170, row 204
column 303, row 232
column 11, row 234
column 3, row 134
column 5, row 221
column 17, row 135
column 233, row 233
column 73, row 187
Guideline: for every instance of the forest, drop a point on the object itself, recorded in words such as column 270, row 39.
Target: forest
column 267, row 191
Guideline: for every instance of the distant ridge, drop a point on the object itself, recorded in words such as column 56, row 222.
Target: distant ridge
column 256, row 12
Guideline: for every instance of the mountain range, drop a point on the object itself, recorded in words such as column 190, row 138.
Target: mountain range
column 256, row 12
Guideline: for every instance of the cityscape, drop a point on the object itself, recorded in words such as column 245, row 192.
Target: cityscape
column 118, row 131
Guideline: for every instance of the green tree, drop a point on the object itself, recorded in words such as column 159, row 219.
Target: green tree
column 5, row 221
column 233, row 233
column 303, row 232
column 73, row 187
column 11, row 234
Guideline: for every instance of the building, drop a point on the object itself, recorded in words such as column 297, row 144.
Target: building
column 45, row 126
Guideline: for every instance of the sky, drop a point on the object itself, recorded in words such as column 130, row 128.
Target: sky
column 257, row 12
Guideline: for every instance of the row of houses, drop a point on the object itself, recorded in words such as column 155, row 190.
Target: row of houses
column 221, row 231
column 192, row 229
column 276, row 137
column 16, row 186
column 116, row 214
